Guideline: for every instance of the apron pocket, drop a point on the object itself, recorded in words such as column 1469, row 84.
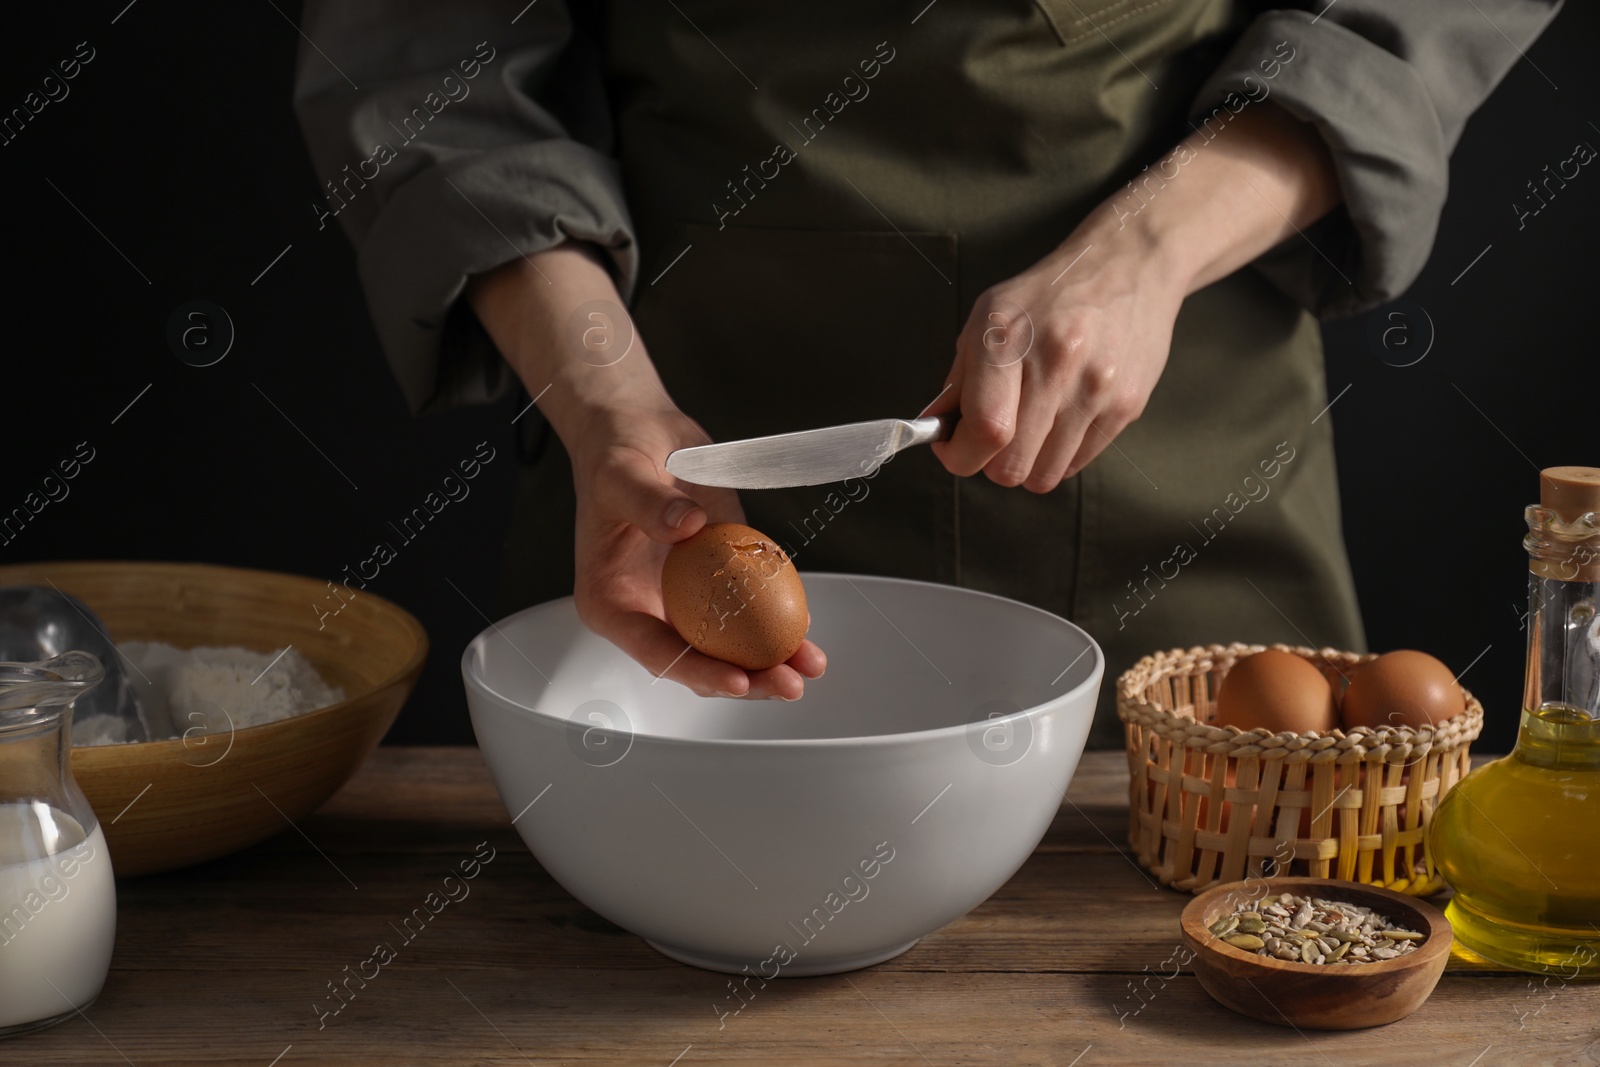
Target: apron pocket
column 1078, row 21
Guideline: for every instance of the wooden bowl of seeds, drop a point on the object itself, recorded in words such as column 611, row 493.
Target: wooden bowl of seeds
column 1316, row 953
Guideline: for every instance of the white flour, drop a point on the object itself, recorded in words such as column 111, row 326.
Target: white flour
column 213, row 690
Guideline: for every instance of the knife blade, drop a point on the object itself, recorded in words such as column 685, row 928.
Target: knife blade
column 809, row 457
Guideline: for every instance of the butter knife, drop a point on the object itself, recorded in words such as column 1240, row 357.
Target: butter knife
column 809, row 457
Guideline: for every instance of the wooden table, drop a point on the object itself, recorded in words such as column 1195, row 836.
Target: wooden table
column 230, row 963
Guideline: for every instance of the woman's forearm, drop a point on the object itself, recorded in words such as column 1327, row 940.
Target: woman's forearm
column 1093, row 320
column 557, row 318
column 1225, row 195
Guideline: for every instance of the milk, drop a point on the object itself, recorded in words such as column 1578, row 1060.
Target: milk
column 58, row 913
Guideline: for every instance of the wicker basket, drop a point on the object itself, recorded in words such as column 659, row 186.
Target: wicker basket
column 1211, row 804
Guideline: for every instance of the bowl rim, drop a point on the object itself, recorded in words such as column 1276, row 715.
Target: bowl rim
column 1436, row 944
column 418, row 657
column 1094, row 678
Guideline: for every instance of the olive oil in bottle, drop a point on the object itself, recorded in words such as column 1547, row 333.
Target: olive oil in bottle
column 1519, row 839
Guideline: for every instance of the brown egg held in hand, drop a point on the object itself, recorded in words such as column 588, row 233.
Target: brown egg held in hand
column 1402, row 688
column 733, row 594
column 1276, row 691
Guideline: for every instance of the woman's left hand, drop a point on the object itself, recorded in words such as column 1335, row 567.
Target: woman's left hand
column 1054, row 363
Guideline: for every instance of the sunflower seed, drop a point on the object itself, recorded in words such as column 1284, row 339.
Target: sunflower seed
column 1314, row 930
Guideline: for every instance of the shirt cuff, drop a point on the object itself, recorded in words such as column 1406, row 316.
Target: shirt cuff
column 461, row 218
column 1389, row 151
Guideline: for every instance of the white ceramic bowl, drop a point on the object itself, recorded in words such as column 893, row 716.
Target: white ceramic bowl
column 906, row 786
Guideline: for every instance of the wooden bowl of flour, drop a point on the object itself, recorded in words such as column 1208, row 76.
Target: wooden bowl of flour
column 169, row 804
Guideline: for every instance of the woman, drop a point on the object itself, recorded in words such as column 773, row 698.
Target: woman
column 1125, row 214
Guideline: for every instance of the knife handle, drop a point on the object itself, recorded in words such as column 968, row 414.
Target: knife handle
column 932, row 428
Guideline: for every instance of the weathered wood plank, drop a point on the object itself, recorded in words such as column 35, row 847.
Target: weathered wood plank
column 230, row 963
column 438, row 1006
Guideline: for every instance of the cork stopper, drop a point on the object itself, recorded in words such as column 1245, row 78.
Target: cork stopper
column 1571, row 492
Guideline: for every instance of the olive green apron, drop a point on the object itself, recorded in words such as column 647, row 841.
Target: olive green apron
column 825, row 281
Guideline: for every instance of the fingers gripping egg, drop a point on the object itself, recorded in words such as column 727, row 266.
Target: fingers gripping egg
column 733, row 594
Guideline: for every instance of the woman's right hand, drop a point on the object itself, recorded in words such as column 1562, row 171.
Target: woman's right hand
column 618, row 426
column 630, row 512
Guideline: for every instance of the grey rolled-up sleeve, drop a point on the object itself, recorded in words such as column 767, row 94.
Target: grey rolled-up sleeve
column 449, row 140
column 1389, row 84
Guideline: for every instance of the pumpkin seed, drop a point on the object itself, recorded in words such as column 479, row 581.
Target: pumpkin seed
column 1225, row 925
column 1248, row 942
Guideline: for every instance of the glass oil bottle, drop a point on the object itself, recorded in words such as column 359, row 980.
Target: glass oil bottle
column 1518, row 839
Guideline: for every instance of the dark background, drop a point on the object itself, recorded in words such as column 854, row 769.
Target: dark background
column 177, row 143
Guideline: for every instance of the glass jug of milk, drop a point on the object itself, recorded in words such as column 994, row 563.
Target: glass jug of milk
column 58, row 902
